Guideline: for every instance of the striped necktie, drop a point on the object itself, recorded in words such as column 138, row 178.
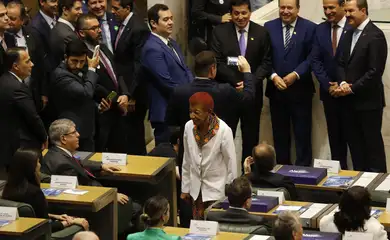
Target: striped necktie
column 288, row 37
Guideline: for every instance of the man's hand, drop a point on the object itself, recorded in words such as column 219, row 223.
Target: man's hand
column 226, row 18
column 290, row 79
column 177, row 173
column 93, row 62
column 44, row 100
column 110, row 168
column 332, row 89
column 240, row 86
column 123, row 101
column 247, row 165
column 279, row 83
column 131, row 106
column 122, row 198
column 243, row 65
column 81, row 222
column 104, row 105
column 185, row 196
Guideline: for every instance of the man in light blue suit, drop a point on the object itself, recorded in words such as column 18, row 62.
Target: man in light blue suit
column 164, row 67
column 290, row 87
column 326, row 51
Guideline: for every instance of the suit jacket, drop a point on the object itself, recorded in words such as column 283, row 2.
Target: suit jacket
column 60, row 35
column 127, row 57
column 235, row 216
column 18, row 117
column 165, row 71
column 324, row 63
column 210, row 10
column 72, row 97
column 8, row 38
column 58, row 162
column 364, row 68
column 113, row 26
column 41, row 31
column 258, row 54
column 273, row 180
column 295, row 58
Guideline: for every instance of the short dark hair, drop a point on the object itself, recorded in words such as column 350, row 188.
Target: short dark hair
column 125, row 3
column 203, row 61
column 12, row 56
column 264, row 158
column 80, row 25
column 175, row 136
column 355, row 208
column 360, row 4
column 153, row 12
column 76, row 48
column 238, row 191
column 297, row 3
column 236, row 3
column 285, row 225
column 67, row 4
column 154, row 208
column 23, row 13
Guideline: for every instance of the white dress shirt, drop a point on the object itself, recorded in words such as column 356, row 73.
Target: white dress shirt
column 340, row 29
column 51, row 21
column 165, row 40
column 20, row 80
column 208, row 169
column 67, row 23
column 107, row 33
column 66, row 151
column 20, row 39
column 358, row 31
column 245, row 34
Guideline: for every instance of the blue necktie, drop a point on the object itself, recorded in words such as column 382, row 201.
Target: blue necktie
column 288, row 37
column 242, row 42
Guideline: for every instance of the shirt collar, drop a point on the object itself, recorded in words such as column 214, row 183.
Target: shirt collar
column 342, row 22
column 89, row 46
column 127, row 19
column 291, row 24
column 67, row 23
column 165, row 40
column 66, row 151
column 20, row 33
column 238, row 208
column 104, row 18
column 245, row 28
column 19, row 79
column 363, row 24
column 48, row 19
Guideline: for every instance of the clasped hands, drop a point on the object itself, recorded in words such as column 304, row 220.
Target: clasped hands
column 341, row 90
column 285, row 82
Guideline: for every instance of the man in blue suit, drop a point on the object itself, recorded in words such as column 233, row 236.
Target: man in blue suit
column 290, row 87
column 326, row 51
column 165, row 68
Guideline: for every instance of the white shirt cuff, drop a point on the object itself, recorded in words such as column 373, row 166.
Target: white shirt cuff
column 273, row 75
column 343, row 82
column 92, row 69
column 298, row 77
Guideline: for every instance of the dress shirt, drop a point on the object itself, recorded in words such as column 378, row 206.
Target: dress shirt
column 3, row 43
column 51, row 21
column 245, row 33
column 66, row 151
column 67, row 23
column 358, row 31
column 107, row 33
column 165, row 40
column 20, row 80
column 127, row 19
column 20, row 40
column 238, row 208
column 340, row 29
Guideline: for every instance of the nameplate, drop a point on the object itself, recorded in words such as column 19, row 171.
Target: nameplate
column 63, row 182
column 388, row 205
column 279, row 195
column 358, row 236
column 114, row 158
column 8, row 213
column 332, row 166
column 208, row 228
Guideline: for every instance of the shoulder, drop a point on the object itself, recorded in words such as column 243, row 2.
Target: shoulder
column 309, row 24
column 322, row 26
column 189, row 126
column 327, row 223
column 257, row 27
column 375, row 31
column 272, row 23
column 223, row 28
column 373, row 225
column 135, row 236
column 224, row 127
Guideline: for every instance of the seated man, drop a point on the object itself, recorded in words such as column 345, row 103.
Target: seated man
column 263, row 158
column 287, row 226
column 239, row 194
column 85, row 235
column 59, row 160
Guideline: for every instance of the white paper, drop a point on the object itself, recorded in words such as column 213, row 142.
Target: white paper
column 75, row 191
column 332, row 166
column 279, row 195
column 288, row 208
column 8, row 213
column 259, row 237
column 208, row 228
column 365, row 179
column 314, row 209
column 114, row 158
column 358, row 236
column 63, row 182
column 388, row 205
column 385, row 185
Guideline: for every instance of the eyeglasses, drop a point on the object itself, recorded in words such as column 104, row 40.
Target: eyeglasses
column 71, row 133
column 95, row 28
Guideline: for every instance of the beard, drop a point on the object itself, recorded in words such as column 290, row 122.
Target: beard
column 93, row 41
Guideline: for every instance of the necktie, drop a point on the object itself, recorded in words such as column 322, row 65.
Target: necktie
column 288, row 37
column 119, row 35
column 108, row 67
column 104, row 36
column 334, row 39
column 170, row 45
column 242, row 42
column 85, row 170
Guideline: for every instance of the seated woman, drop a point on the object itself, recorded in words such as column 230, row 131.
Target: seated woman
column 23, row 186
column 263, row 161
column 155, row 215
column 354, row 215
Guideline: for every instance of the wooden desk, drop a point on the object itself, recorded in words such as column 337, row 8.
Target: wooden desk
column 221, row 236
column 26, row 229
column 99, row 204
column 157, row 173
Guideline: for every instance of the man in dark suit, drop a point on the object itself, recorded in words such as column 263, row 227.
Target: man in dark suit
column 64, row 31
column 22, row 126
column 252, row 41
column 290, row 88
column 362, row 64
column 111, row 134
column 129, row 42
column 108, row 25
column 4, row 26
column 72, row 91
column 239, row 194
column 165, row 67
column 23, row 38
column 325, row 52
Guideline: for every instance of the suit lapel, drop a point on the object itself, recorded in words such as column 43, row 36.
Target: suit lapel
column 294, row 36
column 361, row 40
column 44, row 27
column 236, row 44
column 124, row 34
column 328, row 34
column 279, row 35
column 29, row 41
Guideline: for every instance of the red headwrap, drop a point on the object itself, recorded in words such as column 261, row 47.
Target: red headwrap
column 202, row 98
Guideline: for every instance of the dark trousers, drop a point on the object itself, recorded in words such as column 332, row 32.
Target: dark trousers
column 299, row 114
column 112, row 133
column 161, row 132
column 136, row 130
column 363, row 131
column 86, row 144
column 337, row 139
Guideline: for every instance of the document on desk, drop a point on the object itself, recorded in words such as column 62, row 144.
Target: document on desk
column 192, row 236
column 52, row 192
column 282, row 208
column 338, row 181
column 365, row 179
column 75, row 191
column 313, row 210
column 259, row 237
column 385, row 185
column 4, row 222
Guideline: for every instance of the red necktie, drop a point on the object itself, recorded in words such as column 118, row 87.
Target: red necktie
column 334, row 39
column 85, row 170
column 108, row 67
column 119, row 34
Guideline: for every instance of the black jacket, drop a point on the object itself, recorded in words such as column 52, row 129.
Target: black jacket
column 273, row 180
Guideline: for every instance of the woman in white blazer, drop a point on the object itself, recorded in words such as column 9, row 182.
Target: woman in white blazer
column 209, row 161
column 354, row 215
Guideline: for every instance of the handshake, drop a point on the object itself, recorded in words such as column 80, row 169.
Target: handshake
column 341, row 90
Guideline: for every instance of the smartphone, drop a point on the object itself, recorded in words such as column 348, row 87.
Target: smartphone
column 111, row 96
column 96, row 51
column 232, row 61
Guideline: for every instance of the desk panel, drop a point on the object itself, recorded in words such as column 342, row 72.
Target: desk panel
column 26, row 228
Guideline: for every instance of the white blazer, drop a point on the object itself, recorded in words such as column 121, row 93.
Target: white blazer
column 210, row 168
column 372, row 225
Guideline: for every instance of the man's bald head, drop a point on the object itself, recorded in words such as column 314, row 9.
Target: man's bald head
column 85, row 236
column 264, row 157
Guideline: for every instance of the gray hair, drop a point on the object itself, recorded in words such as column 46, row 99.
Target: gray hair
column 286, row 224
column 59, row 128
